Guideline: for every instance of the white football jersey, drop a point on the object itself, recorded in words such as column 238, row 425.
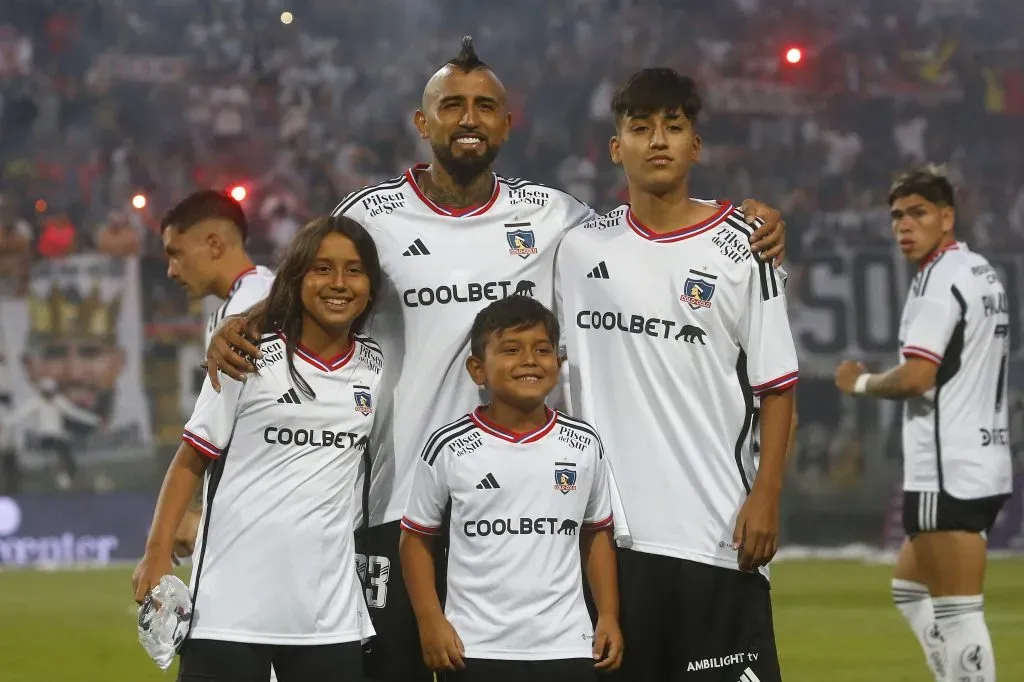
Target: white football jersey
column 441, row 268
column 276, row 561
column 956, row 436
column 670, row 339
column 518, row 503
column 248, row 289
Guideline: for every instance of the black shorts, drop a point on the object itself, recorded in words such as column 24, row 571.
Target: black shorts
column 683, row 620
column 210, row 660
column 932, row 512
column 394, row 655
column 488, row 670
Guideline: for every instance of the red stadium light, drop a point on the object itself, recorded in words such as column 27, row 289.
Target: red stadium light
column 794, row 55
column 238, row 193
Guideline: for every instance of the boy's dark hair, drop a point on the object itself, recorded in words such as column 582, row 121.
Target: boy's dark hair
column 927, row 181
column 203, row 205
column 513, row 312
column 467, row 60
column 657, row 89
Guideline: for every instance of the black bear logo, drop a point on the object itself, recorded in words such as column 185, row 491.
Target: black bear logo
column 524, row 288
column 691, row 333
column 568, row 527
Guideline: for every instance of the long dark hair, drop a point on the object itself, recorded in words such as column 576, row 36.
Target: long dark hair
column 283, row 308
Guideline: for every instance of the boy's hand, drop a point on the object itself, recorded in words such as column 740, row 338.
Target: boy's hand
column 607, row 643
column 442, row 648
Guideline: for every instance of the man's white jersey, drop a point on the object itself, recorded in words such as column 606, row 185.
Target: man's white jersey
column 518, row 505
column 670, row 337
column 956, row 436
column 441, row 268
column 248, row 289
column 276, row 561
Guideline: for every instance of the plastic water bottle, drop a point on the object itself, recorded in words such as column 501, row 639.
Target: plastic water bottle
column 164, row 619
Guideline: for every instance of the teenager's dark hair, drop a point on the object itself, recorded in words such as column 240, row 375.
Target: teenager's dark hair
column 657, row 89
column 203, row 205
column 283, row 308
column 466, row 60
column 927, row 181
column 513, row 312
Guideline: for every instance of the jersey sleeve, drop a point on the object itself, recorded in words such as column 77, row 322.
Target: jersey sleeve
column 931, row 318
column 212, row 424
column 766, row 336
column 430, row 493
column 599, row 504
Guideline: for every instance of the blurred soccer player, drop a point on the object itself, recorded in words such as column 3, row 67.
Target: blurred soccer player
column 275, row 582
column 673, row 327
column 453, row 237
column 957, row 467
column 532, row 495
column 204, row 238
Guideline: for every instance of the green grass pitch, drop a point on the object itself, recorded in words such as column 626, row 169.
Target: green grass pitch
column 833, row 619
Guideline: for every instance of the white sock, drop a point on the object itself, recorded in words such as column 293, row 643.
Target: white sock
column 968, row 645
column 913, row 601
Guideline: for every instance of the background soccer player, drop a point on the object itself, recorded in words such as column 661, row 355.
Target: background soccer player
column 672, row 327
column 453, row 237
column 280, row 454
column 957, row 469
column 528, row 489
column 204, row 238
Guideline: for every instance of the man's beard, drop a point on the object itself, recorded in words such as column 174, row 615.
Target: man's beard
column 466, row 168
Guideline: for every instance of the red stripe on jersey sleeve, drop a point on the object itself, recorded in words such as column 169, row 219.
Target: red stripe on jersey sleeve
column 598, row 525
column 777, row 384
column 202, row 446
column 923, row 353
column 413, row 527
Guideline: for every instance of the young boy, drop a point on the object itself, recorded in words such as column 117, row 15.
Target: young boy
column 528, row 491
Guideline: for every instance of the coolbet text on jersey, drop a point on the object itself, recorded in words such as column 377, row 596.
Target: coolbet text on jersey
column 955, row 437
column 441, row 268
column 519, row 503
column 695, row 327
column 279, row 499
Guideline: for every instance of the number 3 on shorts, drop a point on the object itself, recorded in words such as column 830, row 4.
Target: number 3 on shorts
column 374, row 575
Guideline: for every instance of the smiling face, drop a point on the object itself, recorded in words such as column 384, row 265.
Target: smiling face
column 656, row 150
column 465, row 119
column 519, row 366
column 336, row 287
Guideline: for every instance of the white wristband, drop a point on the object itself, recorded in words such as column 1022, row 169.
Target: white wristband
column 861, row 384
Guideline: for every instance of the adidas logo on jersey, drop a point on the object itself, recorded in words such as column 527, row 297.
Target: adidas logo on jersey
column 488, row 482
column 599, row 272
column 417, row 248
column 290, row 397
column 749, row 676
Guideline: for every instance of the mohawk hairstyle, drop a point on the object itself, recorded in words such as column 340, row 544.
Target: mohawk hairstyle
column 929, row 182
column 657, row 89
column 467, row 60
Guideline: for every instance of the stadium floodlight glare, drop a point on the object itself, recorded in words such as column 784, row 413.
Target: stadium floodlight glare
column 794, row 55
column 287, row 18
column 139, row 201
column 238, row 193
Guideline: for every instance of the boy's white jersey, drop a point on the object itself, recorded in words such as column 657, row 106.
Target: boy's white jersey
column 248, row 289
column 518, row 505
column 441, row 268
column 275, row 557
column 670, row 339
column 956, row 436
